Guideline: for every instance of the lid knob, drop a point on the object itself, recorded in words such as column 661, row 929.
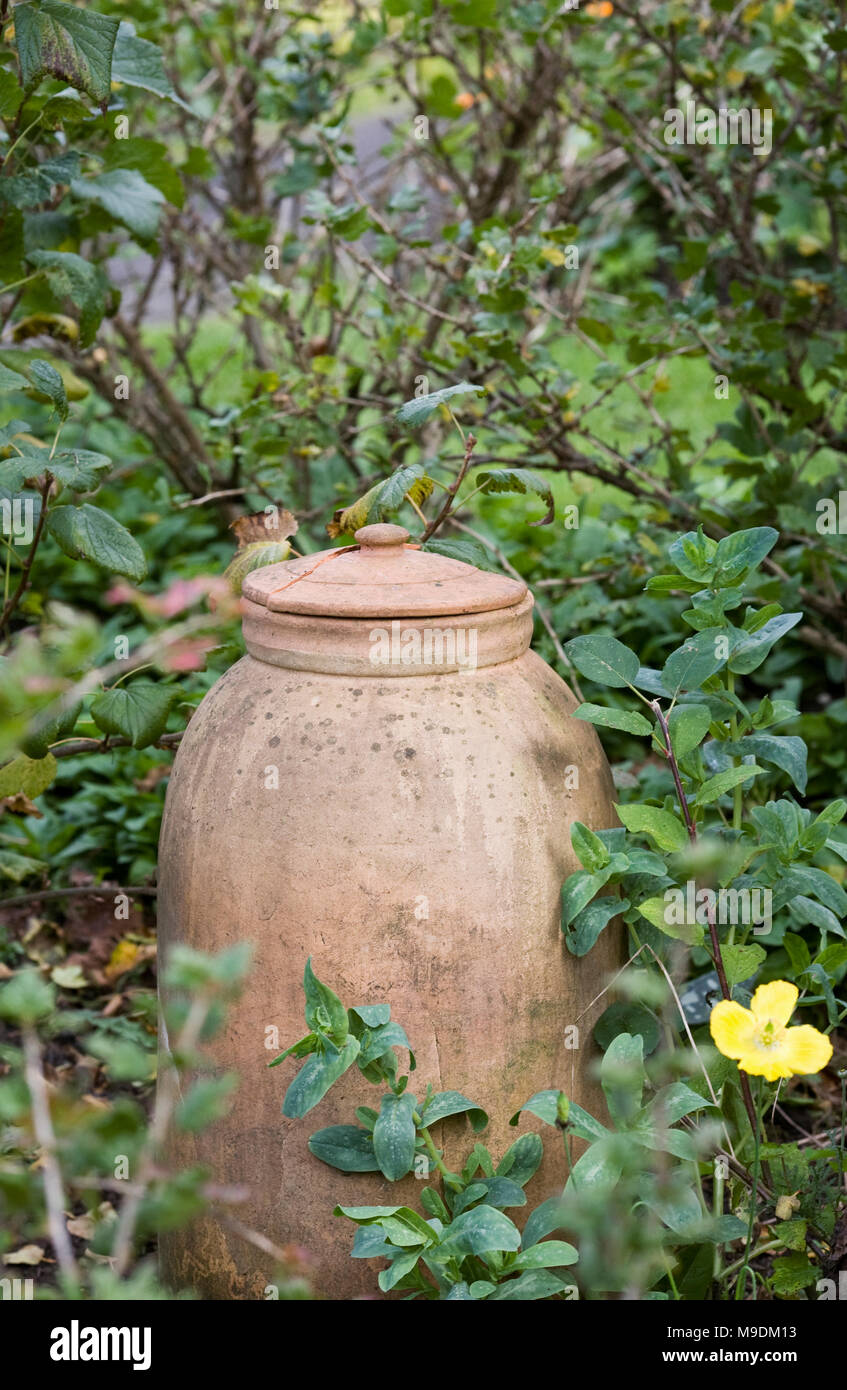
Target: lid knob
column 382, row 538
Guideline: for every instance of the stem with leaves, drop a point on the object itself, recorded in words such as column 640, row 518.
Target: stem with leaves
column 713, row 931
column 13, row 601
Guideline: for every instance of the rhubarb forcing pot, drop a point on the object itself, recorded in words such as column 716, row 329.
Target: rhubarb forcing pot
column 386, row 783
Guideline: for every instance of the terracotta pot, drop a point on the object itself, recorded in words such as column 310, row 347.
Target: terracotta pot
column 395, row 802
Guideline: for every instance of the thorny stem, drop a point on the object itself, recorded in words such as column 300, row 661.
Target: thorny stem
column 470, row 444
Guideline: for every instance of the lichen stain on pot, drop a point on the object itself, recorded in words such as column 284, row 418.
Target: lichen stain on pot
column 413, row 840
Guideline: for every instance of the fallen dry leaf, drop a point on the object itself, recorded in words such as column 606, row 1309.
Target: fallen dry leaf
column 83, row 1226
column 273, row 525
column 27, row 1255
column 20, row 805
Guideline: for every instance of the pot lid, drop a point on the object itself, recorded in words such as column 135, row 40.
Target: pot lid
column 382, row 576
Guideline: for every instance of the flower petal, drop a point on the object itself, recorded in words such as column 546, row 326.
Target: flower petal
column 761, row 1062
column 806, row 1050
column 774, row 1002
column 732, row 1028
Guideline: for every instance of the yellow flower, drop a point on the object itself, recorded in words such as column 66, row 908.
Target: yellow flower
column 760, row 1041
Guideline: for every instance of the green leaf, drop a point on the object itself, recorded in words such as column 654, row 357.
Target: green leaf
column 791, row 1233
column 31, row 776
column 372, row 1015
column 370, row 1243
column 325, row 1012
column 254, row 556
column 46, row 379
column 520, row 480
column 418, row 411
column 533, row 1286
column 152, row 160
column 345, row 1147
column 588, row 847
column 723, row 782
column 12, row 381
column 694, row 555
column 47, row 730
column 522, row 1159
column 603, row 659
column 301, row 1048
column 71, row 277
column 656, row 911
column 596, row 329
column 138, row 63
column 79, row 469
column 400, row 1266
column 551, row 1254
column 578, row 890
column 625, row 1016
column 498, row 1192
column 205, row 1102
column 791, row 1273
column 376, row 1042
column 751, row 650
column 545, row 1105
column 622, row 1077
column 630, row 721
column 672, row 583
column 367, row 1216
column 138, row 710
column 805, row 909
column 665, row 829
column 478, row 1231
column 125, row 1060
column 17, row 867
column 395, row 1134
column 743, row 551
column 692, row 663
column 599, row 1168
column 11, row 95
column 88, row 533
column 27, row 997
column 672, row 1103
column 459, row 1293
column 469, row 552
column 785, row 751
column 586, row 927
column 688, row 726
column 445, row 1103
column 58, row 40
column 314, row 1079
column 382, row 499
column 543, row 1220
column 126, row 196
column 741, row 962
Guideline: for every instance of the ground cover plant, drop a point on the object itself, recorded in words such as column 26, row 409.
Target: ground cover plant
column 268, row 274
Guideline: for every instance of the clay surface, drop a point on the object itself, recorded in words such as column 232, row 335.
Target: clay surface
column 414, row 845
